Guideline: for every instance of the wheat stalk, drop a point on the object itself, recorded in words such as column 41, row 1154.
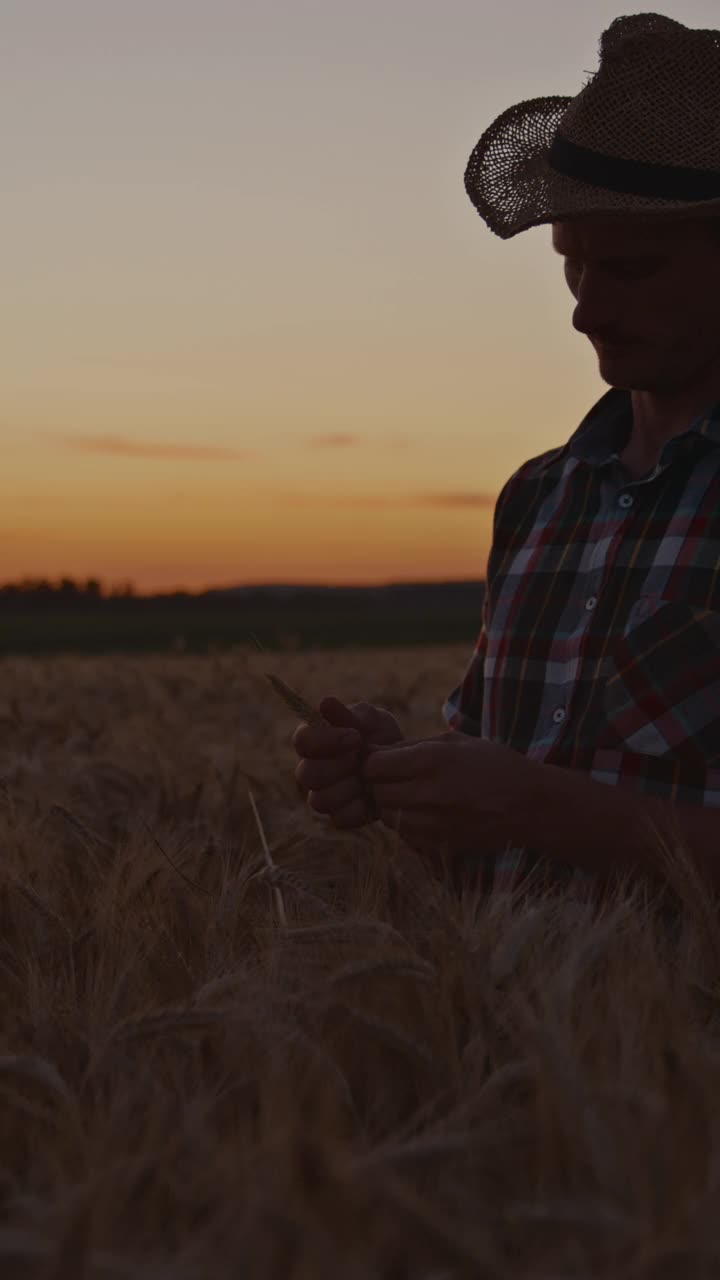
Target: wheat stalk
column 280, row 876
column 173, row 1020
column 295, row 701
column 31, row 1067
column 272, row 865
column 193, row 883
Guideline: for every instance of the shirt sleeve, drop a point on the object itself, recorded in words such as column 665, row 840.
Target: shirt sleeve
column 463, row 708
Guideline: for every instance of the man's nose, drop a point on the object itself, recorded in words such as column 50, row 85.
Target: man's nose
column 595, row 312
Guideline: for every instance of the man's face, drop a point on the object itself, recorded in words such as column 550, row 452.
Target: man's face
column 650, row 288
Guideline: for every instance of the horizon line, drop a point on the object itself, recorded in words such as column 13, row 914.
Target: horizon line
column 31, row 583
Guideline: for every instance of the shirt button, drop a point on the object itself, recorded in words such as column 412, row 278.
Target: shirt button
column 590, row 603
column 625, row 499
column 559, row 715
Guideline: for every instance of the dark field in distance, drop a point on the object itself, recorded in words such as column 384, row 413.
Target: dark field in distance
column 446, row 613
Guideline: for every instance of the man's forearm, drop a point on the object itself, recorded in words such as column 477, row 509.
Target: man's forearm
column 603, row 828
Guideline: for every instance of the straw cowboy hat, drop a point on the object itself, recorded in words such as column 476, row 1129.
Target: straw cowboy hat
column 642, row 136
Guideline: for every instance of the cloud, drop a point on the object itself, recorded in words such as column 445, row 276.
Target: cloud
column 333, row 440
column 483, row 500
column 126, row 447
column 345, row 439
column 120, row 446
column 480, row 501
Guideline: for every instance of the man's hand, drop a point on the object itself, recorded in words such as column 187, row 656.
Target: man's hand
column 452, row 793
column 328, row 775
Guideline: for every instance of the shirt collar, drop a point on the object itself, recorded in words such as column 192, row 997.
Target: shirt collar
column 604, row 431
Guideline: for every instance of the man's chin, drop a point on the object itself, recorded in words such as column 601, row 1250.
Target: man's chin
column 617, row 366
column 610, row 351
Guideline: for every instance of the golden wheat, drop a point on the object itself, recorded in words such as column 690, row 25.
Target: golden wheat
column 398, row 1081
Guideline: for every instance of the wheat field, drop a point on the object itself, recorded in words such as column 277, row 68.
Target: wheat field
column 385, row 1080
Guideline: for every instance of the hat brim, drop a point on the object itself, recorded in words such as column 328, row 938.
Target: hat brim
column 513, row 186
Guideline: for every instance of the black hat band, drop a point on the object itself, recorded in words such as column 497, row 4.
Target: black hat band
column 666, row 181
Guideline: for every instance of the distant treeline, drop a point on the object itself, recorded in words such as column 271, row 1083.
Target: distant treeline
column 33, row 594
column 39, row 591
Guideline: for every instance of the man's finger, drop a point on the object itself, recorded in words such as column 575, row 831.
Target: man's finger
column 321, row 743
column 409, row 760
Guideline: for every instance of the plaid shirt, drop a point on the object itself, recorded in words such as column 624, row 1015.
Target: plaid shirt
column 600, row 641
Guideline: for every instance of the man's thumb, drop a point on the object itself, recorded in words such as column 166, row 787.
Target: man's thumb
column 372, row 722
column 338, row 714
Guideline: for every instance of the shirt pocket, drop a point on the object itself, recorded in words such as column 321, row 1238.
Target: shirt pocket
column 662, row 696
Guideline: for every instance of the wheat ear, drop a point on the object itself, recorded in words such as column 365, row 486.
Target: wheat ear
column 295, row 702
column 291, row 699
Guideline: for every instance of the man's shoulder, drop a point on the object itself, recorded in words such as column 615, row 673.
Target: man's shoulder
column 531, row 471
column 536, row 466
column 597, row 424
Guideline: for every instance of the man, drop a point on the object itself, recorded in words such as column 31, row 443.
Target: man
column 590, row 711
column 646, row 298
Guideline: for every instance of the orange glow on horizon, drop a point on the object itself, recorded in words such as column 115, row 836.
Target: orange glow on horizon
column 253, row 330
column 205, row 553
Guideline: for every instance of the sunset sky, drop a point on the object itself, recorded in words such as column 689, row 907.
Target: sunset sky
column 252, row 329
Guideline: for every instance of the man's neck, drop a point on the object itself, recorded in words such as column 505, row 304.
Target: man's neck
column 657, row 418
